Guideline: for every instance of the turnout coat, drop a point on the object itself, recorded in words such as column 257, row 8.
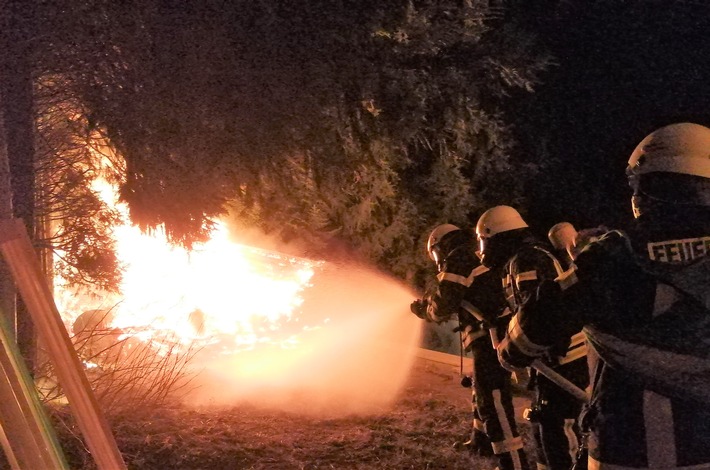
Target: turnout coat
column 648, row 324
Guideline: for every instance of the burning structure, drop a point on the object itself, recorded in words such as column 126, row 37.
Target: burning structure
column 250, row 324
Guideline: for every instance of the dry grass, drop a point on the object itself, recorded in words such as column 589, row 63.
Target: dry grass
column 125, row 373
column 418, row 432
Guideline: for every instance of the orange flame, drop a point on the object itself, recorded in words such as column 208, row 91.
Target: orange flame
column 349, row 347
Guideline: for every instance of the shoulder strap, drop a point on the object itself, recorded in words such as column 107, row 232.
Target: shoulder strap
column 558, row 266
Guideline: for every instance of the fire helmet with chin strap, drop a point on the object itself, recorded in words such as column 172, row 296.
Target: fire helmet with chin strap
column 562, row 235
column 495, row 221
column 498, row 219
column 433, row 244
column 671, row 166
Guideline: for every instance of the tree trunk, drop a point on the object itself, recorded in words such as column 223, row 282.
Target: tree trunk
column 7, row 285
column 16, row 33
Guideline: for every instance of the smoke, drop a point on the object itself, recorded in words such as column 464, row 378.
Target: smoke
column 353, row 354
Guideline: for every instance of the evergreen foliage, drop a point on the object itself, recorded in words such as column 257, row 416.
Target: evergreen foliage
column 352, row 123
column 409, row 132
column 76, row 221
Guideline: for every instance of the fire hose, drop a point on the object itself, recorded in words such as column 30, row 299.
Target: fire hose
column 550, row 373
column 560, row 381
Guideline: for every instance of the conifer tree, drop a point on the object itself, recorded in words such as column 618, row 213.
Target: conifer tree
column 362, row 123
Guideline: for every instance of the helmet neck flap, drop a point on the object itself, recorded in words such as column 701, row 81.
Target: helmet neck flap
column 669, row 172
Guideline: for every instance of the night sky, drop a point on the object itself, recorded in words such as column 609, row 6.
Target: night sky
column 623, row 72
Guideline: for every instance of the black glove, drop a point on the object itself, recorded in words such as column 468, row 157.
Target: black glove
column 418, row 307
column 479, row 444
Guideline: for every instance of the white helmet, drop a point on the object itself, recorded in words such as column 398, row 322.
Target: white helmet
column 562, row 235
column 435, row 238
column 498, row 219
column 682, row 148
column 677, row 148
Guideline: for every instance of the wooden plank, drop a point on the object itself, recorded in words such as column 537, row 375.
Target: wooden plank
column 18, row 442
column 24, row 265
column 9, row 454
column 28, row 438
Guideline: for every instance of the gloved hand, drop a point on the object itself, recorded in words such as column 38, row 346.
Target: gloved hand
column 418, row 307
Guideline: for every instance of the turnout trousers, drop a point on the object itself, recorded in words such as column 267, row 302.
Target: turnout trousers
column 494, row 404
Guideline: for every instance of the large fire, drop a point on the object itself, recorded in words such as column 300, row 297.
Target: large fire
column 219, row 287
column 269, row 326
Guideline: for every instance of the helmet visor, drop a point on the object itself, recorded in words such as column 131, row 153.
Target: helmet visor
column 435, row 254
column 482, row 244
column 671, row 189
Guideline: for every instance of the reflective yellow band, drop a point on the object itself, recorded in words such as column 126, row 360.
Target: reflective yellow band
column 577, row 339
column 520, row 340
column 577, row 349
column 456, row 278
column 469, row 307
column 574, row 354
column 478, row 270
column 493, row 333
column 526, row 276
column 567, row 279
column 478, row 425
column 469, row 336
column 463, row 280
column 508, row 445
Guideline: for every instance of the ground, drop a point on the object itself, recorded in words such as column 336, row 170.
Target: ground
column 418, row 432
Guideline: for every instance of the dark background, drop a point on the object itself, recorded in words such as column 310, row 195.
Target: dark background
column 623, row 70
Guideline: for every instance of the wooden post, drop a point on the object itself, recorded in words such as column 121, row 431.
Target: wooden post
column 27, row 437
column 24, row 265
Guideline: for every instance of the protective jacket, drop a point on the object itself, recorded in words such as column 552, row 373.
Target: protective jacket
column 555, row 410
column 648, row 324
column 471, row 292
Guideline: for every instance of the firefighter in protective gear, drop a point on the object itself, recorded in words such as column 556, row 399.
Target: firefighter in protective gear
column 643, row 298
column 506, row 243
column 563, row 237
column 469, row 291
column 568, row 242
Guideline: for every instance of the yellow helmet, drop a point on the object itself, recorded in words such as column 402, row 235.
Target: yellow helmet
column 678, row 148
column 562, row 235
column 499, row 219
column 435, row 238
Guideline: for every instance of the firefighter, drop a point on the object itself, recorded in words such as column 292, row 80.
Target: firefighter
column 568, row 242
column 642, row 297
column 470, row 292
column 563, row 237
column 506, row 243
